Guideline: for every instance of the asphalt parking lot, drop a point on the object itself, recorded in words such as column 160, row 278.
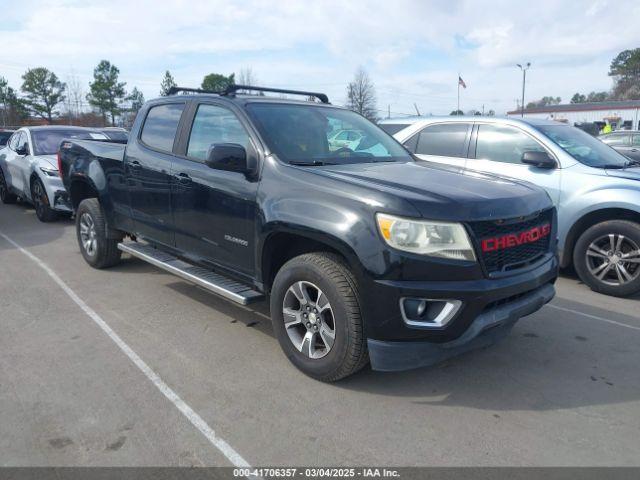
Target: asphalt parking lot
column 134, row 367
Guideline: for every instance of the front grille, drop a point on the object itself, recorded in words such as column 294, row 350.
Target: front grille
column 517, row 256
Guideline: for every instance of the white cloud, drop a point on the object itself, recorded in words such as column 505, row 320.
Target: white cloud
column 412, row 48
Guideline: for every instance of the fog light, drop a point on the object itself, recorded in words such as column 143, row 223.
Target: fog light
column 428, row 313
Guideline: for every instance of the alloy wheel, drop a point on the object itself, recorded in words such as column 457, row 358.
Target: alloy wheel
column 309, row 320
column 88, row 234
column 38, row 200
column 614, row 259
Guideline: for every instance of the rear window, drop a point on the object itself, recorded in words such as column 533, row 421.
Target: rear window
column 446, row 139
column 393, row 128
column 161, row 125
column 46, row 142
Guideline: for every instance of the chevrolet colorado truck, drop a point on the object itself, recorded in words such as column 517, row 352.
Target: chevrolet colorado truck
column 365, row 253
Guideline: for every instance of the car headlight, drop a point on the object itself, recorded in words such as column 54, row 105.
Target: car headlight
column 51, row 172
column 436, row 239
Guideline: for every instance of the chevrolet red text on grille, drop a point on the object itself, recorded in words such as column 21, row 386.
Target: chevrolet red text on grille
column 514, row 239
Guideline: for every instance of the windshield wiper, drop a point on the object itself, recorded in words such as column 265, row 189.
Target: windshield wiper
column 313, row 163
column 631, row 163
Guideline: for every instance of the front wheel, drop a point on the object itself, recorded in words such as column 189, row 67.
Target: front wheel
column 44, row 212
column 607, row 257
column 91, row 230
column 316, row 316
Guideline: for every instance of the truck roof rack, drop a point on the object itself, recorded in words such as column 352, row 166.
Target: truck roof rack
column 174, row 90
column 232, row 89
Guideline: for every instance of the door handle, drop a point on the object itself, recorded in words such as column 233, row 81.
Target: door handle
column 634, row 149
column 183, row 178
column 135, row 165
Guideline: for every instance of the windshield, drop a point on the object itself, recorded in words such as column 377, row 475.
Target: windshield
column 393, row 128
column 583, row 147
column 316, row 135
column 46, row 142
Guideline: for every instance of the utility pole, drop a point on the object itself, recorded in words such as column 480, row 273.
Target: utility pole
column 483, row 109
column 524, row 79
column 389, row 111
column 416, row 107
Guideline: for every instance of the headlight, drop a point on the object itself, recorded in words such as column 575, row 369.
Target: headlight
column 52, row 172
column 437, row 239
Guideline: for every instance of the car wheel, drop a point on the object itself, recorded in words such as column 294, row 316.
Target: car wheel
column 316, row 316
column 5, row 195
column 91, row 230
column 607, row 257
column 40, row 199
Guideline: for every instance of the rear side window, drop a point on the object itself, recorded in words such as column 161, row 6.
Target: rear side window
column 161, row 125
column 446, row 139
column 636, row 141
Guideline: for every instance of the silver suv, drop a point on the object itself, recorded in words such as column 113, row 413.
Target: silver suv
column 595, row 188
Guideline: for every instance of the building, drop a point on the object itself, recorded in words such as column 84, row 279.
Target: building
column 620, row 114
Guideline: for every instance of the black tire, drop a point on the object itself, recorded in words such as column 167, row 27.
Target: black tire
column 327, row 271
column 40, row 200
column 5, row 195
column 597, row 235
column 105, row 251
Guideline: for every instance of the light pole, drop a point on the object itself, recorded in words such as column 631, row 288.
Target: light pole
column 524, row 78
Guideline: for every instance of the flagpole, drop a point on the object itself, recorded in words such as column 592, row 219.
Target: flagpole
column 458, row 109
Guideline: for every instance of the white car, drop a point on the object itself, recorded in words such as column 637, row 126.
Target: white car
column 29, row 168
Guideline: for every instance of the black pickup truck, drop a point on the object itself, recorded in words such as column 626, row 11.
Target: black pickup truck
column 365, row 253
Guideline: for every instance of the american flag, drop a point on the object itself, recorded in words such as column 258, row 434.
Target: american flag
column 461, row 82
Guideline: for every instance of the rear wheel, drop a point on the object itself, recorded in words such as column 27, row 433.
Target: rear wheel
column 5, row 195
column 607, row 257
column 44, row 212
column 91, row 230
column 316, row 316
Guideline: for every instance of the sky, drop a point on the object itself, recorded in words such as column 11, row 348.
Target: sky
column 412, row 50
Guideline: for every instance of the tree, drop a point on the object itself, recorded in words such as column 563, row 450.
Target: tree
column 137, row 99
column 247, row 77
column 491, row 113
column 625, row 70
column 14, row 111
column 578, row 98
column 598, row 96
column 106, row 92
column 361, row 95
column 544, row 101
column 74, row 96
column 43, row 92
column 167, row 83
column 457, row 112
column 217, row 82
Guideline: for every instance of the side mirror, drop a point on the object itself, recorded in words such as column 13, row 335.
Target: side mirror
column 539, row 159
column 228, row 156
column 22, row 150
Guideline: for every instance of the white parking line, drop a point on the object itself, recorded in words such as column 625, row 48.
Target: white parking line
column 593, row 317
column 196, row 420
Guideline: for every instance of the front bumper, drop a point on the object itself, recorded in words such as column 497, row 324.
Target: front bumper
column 490, row 326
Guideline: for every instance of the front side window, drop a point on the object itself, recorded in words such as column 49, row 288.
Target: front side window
column 445, row 139
column 307, row 134
column 617, row 139
column 504, row 144
column 635, row 141
column 213, row 124
column 583, row 147
column 160, row 126
column 23, row 143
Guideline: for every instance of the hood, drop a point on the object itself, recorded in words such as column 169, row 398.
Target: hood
column 631, row 173
column 50, row 161
column 442, row 192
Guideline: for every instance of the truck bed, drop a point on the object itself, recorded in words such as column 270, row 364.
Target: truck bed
column 76, row 155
